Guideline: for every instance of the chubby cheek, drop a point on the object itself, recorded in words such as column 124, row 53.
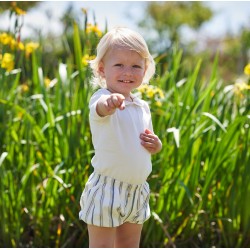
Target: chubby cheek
column 139, row 78
column 142, row 73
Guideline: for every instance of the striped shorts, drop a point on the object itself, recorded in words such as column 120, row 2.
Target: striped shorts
column 107, row 202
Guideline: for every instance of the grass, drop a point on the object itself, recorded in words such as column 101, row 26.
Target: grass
column 200, row 181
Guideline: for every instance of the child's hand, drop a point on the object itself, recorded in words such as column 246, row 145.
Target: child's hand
column 108, row 104
column 115, row 101
column 151, row 142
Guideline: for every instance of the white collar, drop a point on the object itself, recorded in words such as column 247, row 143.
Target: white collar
column 135, row 100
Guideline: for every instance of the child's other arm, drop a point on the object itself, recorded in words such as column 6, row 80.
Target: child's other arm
column 151, row 142
column 108, row 104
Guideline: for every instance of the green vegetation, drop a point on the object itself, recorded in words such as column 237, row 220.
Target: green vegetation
column 200, row 182
column 167, row 18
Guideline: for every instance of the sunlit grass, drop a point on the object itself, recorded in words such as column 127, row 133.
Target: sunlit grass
column 200, row 181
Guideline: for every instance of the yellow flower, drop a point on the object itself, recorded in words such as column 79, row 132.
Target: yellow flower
column 240, row 87
column 7, row 62
column 160, row 93
column 47, row 82
column 12, row 44
column 93, row 29
column 247, row 69
column 24, row 87
column 5, row 38
column 210, row 196
column 20, row 46
column 30, row 47
column 20, row 115
column 17, row 10
column 150, row 93
column 158, row 103
column 86, row 58
column 97, row 31
column 142, row 89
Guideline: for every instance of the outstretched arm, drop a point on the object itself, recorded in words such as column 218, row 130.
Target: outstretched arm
column 108, row 104
column 151, row 142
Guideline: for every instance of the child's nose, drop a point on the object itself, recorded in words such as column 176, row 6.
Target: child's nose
column 127, row 71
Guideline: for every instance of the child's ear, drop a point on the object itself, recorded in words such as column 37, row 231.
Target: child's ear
column 101, row 69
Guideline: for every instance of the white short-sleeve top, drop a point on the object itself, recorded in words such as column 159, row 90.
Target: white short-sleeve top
column 116, row 140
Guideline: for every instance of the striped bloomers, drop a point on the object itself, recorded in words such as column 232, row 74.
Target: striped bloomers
column 107, row 202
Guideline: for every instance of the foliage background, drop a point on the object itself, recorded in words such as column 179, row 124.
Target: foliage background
column 200, row 180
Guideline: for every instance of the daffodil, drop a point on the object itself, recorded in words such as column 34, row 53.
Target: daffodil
column 152, row 93
column 97, row 31
column 158, row 103
column 7, row 62
column 8, row 40
column 20, row 115
column 47, row 82
column 93, row 29
column 86, row 58
column 142, row 89
column 17, row 10
column 24, row 87
column 20, row 46
column 5, row 39
column 247, row 69
column 160, row 93
column 239, row 87
column 13, row 44
column 30, row 47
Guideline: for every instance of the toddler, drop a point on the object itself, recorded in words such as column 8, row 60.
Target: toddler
column 115, row 200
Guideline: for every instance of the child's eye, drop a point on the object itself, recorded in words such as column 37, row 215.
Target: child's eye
column 137, row 66
column 118, row 65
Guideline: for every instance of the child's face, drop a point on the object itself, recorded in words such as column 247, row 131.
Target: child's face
column 123, row 70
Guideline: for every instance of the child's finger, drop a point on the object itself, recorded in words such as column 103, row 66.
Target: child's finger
column 148, row 132
column 111, row 103
column 115, row 101
column 147, row 138
column 120, row 97
column 122, row 106
column 118, row 101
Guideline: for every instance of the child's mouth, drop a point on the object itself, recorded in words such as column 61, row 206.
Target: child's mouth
column 125, row 81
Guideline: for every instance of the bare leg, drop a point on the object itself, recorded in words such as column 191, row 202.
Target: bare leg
column 101, row 237
column 128, row 235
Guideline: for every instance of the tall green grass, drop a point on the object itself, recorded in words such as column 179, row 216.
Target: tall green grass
column 45, row 155
column 200, row 181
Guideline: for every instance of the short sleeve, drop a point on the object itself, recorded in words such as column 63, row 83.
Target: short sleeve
column 93, row 102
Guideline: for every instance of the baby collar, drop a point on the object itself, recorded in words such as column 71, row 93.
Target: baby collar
column 135, row 100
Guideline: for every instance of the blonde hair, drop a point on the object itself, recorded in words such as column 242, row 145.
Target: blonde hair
column 122, row 37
